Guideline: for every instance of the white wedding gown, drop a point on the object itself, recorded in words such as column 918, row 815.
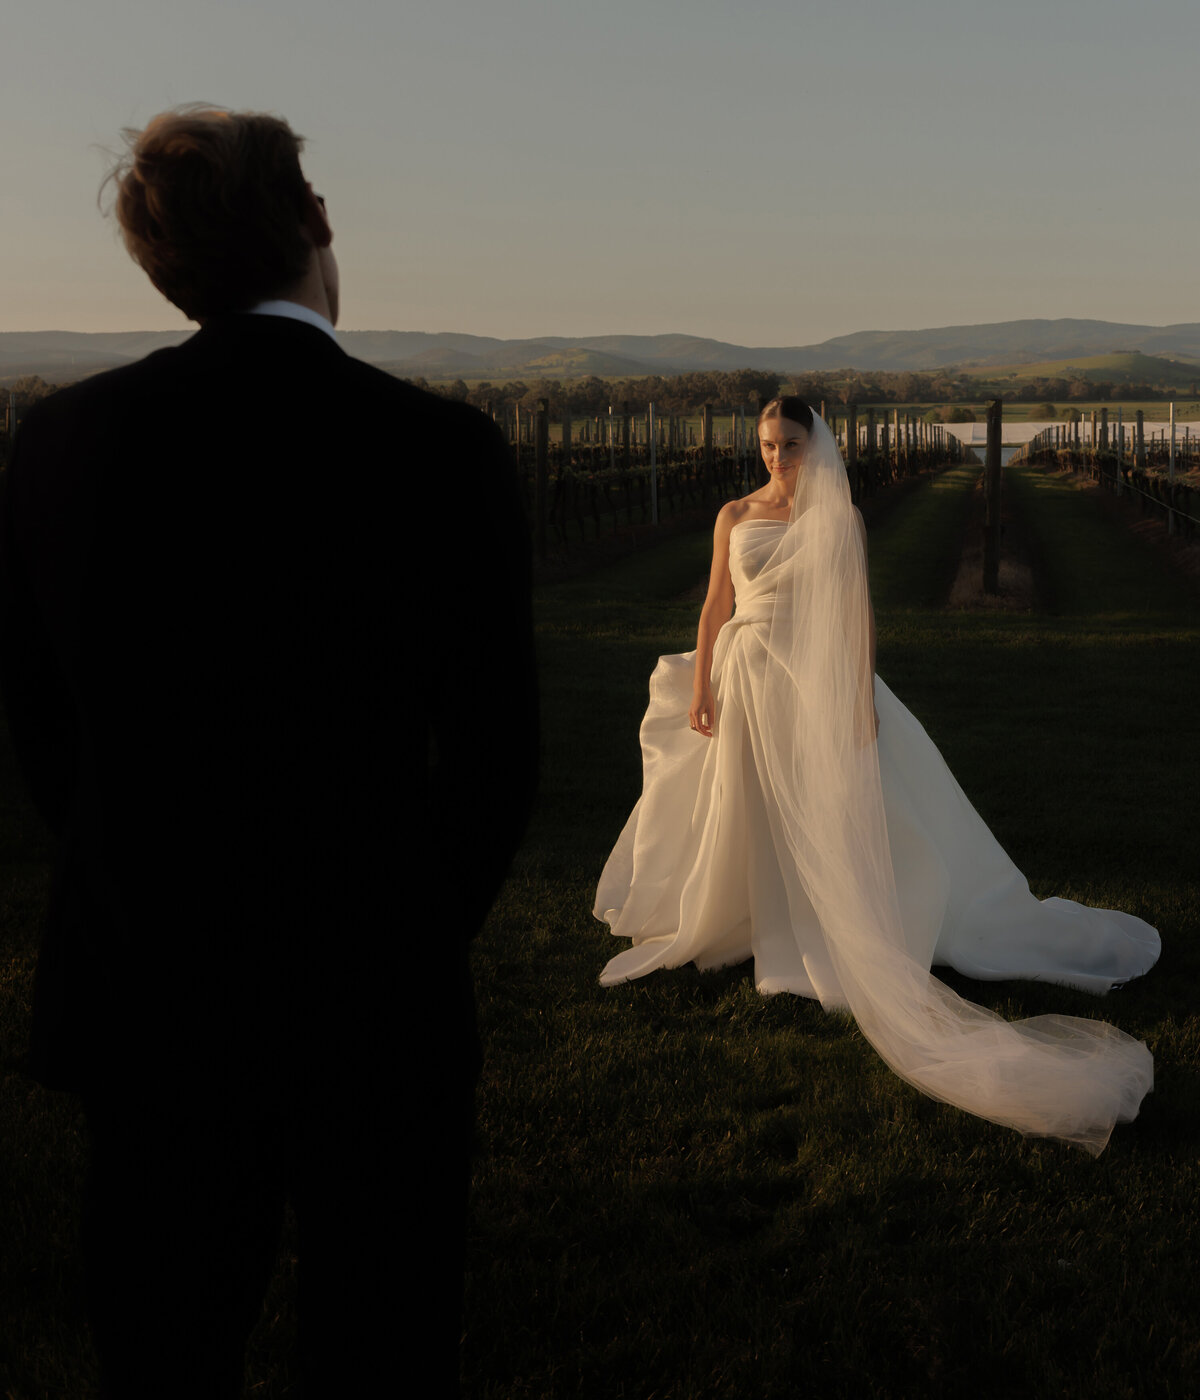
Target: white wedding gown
column 698, row 873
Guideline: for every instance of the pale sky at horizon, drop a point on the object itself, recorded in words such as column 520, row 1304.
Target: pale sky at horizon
column 762, row 173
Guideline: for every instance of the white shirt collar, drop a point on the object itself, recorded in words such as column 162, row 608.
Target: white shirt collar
column 293, row 309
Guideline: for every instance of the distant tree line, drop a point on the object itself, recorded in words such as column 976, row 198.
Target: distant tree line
column 729, row 390
column 24, row 392
column 946, row 386
column 588, row 397
column 27, row 390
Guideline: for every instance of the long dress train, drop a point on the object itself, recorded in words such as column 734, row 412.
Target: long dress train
column 706, row 871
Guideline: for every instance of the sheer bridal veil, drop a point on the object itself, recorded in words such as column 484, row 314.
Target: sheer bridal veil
column 1057, row 1076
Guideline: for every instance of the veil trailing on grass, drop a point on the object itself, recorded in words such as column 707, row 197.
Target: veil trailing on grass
column 1056, row 1076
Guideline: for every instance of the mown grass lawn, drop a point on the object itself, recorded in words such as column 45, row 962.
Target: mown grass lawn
column 685, row 1190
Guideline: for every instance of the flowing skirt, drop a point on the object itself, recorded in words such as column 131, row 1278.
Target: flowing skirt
column 701, row 874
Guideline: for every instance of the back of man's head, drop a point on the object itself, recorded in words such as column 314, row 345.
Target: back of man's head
column 211, row 207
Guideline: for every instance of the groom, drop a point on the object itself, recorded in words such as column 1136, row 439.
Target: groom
column 265, row 652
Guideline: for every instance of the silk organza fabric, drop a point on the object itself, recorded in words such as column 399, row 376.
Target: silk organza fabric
column 816, row 815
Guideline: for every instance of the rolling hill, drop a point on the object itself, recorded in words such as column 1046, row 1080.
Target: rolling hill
column 1015, row 347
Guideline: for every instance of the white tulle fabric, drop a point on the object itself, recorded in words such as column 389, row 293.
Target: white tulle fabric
column 776, row 839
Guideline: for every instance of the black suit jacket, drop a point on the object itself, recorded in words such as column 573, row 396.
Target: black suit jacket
column 265, row 650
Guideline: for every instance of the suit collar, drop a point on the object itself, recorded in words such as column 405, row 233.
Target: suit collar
column 293, row 311
column 271, row 332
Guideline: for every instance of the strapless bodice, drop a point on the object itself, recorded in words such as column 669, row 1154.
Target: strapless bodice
column 752, row 543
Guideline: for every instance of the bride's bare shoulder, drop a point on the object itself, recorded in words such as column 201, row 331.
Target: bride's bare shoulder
column 755, row 506
column 733, row 511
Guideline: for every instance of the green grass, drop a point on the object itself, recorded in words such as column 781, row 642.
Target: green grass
column 685, row 1190
column 1127, row 365
column 914, row 551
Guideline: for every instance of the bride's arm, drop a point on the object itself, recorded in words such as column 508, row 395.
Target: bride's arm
column 717, row 610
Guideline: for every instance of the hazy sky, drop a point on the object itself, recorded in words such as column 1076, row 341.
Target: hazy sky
column 763, row 172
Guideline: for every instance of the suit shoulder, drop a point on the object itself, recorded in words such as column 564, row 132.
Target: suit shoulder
column 371, row 378
column 73, row 418
column 418, row 404
column 109, row 386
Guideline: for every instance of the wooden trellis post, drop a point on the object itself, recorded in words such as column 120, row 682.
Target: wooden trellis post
column 744, row 453
column 1171, row 473
column 652, row 434
column 1120, row 445
column 991, row 525
column 852, row 448
column 541, row 448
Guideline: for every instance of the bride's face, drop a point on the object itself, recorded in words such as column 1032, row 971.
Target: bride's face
column 783, row 443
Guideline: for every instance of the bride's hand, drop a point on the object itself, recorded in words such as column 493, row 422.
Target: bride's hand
column 703, row 713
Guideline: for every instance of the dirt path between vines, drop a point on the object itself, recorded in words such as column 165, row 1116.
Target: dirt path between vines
column 1017, row 585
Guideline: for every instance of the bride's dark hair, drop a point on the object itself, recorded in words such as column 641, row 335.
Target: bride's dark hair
column 789, row 406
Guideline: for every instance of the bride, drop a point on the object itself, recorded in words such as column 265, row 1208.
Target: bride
column 793, row 811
